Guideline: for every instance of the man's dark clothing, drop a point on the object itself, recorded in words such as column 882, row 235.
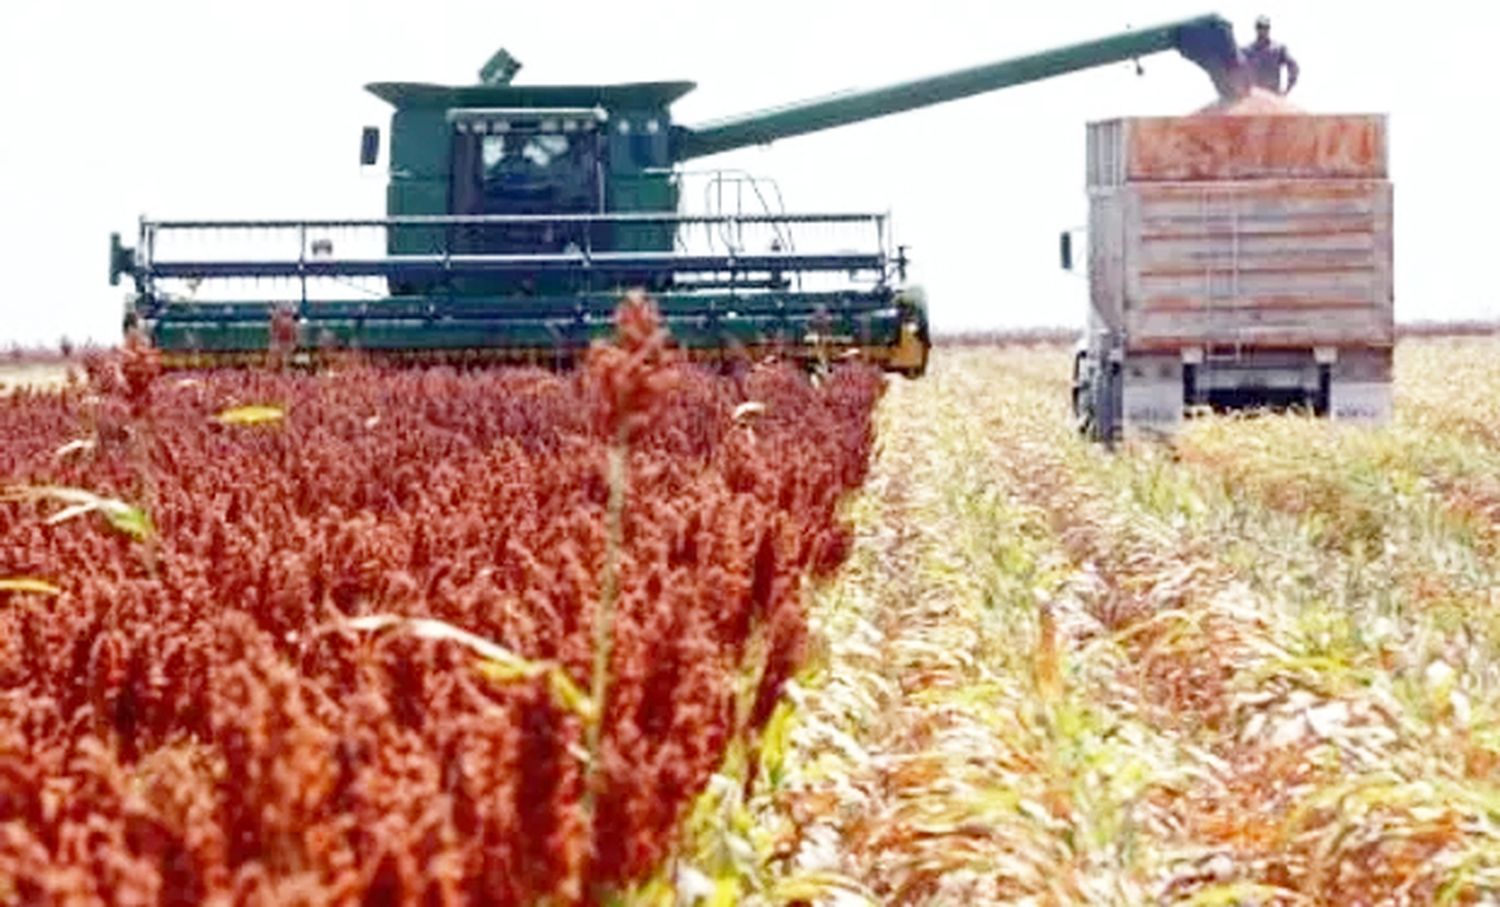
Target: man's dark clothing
column 1264, row 61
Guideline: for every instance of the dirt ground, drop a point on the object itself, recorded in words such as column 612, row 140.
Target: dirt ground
column 31, row 374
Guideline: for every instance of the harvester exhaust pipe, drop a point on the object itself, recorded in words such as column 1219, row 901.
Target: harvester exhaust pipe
column 121, row 259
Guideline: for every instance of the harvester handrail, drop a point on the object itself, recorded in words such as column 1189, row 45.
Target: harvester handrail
column 393, row 265
column 439, row 220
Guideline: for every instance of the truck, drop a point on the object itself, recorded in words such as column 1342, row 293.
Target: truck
column 1239, row 258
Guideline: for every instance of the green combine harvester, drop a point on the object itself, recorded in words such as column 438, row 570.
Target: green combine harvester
column 518, row 216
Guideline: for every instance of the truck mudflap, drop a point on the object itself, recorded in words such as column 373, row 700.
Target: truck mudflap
column 1361, row 386
column 1152, row 398
column 1362, row 403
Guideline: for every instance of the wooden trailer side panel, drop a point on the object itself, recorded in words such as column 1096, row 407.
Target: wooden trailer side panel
column 1299, row 263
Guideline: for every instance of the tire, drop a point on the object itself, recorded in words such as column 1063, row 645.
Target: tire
column 1107, row 404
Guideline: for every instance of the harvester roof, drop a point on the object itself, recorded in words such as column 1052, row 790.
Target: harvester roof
column 625, row 95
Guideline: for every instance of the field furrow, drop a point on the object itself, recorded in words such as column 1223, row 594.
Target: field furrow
column 1198, row 680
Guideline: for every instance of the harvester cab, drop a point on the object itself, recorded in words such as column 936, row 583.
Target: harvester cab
column 517, row 215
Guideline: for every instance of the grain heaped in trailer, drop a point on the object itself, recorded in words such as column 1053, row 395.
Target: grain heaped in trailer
column 1238, row 257
column 1262, row 136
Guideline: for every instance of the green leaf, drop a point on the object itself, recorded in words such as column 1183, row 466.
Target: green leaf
column 28, row 584
column 255, row 414
column 122, row 517
column 133, row 521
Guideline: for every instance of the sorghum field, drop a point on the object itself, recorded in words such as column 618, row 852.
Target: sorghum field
column 644, row 634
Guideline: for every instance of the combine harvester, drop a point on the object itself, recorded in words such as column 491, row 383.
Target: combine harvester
column 1238, row 259
column 519, row 214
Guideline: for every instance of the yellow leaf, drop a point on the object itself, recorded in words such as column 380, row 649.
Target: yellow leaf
column 504, row 672
column 656, row 893
column 569, row 696
column 775, row 739
column 812, row 886
column 1239, row 893
column 27, row 584
column 250, row 415
column 726, row 892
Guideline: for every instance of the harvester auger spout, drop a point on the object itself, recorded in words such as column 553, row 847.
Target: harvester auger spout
column 1207, row 41
column 517, row 216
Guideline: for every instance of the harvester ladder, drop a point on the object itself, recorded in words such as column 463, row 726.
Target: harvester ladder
column 731, row 229
column 739, row 181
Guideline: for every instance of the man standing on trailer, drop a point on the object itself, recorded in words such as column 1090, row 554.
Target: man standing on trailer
column 1265, row 58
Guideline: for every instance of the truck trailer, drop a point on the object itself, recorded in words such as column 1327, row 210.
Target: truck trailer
column 1238, row 258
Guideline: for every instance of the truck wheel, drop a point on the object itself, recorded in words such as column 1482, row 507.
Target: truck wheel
column 1106, row 409
column 1080, row 387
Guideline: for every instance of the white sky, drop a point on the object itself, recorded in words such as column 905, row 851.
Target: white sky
column 204, row 108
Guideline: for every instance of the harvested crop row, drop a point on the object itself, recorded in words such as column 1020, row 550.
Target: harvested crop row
column 1234, row 712
column 342, row 637
column 1446, row 385
column 1374, row 693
